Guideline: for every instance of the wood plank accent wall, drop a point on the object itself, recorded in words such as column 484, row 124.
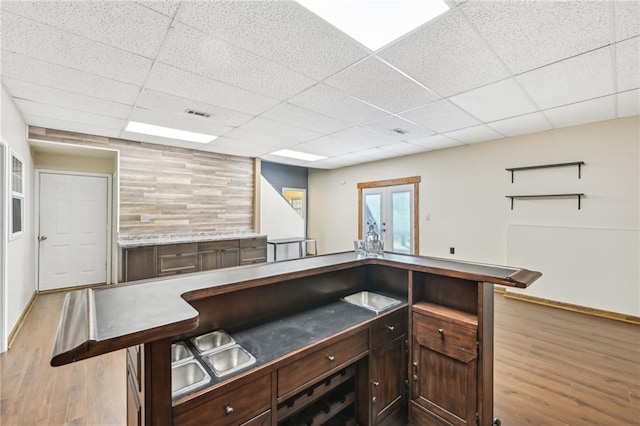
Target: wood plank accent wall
column 182, row 190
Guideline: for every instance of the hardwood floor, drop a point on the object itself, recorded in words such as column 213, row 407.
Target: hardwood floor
column 552, row 367
column 90, row 392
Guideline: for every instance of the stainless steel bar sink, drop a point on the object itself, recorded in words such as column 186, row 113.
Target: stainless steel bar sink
column 372, row 301
column 180, row 353
column 215, row 340
column 187, row 376
column 229, row 360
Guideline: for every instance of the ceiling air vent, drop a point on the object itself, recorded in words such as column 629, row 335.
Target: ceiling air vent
column 197, row 113
column 399, row 131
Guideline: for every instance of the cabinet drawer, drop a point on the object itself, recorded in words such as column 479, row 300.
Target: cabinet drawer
column 177, row 263
column 253, row 255
column 437, row 333
column 218, row 245
column 298, row 373
column 231, row 408
column 177, row 249
column 253, row 242
column 388, row 328
column 263, row 419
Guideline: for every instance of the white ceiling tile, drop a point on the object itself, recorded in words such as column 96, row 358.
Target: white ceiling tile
column 403, row 148
column 583, row 77
column 527, row 35
column 123, row 24
column 228, row 150
column 329, row 163
column 629, row 103
column 436, row 142
column 282, row 31
column 259, row 138
column 275, row 128
column 363, row 137
column 30, row 38
column 256, row 148
column 338, row 146
column 628, row 64
column 47, row 95
column 168, row 79
column 474, row 134
column 583, row 112
column 166, row 7
column 385, row 125
column 329, row 101
column 627, row 13
column 317, row 149
column 495, row 101
column 194, row 51
column 304, row 118
column 157, row 101
column 441, row 116
column 66, row 114
column 285, row 160
column 377, row 83
column 529, row 123
column 446, row 56
column 69, row 126
column 63, row 78
column 186, row 122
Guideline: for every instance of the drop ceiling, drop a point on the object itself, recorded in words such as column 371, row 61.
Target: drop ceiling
column 274, row 76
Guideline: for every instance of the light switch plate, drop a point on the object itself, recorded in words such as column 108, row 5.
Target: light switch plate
column 144, row 218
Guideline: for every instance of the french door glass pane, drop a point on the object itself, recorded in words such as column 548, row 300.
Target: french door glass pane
column 401, row 205
column 373, row 211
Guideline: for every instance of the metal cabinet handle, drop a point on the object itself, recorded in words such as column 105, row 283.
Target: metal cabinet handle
column 374, row 399
column 228, row 409
column 331, row 358
column 441, row 331
column 376, row 384
column 415, row 377
column 391, row 328
column 415, row 364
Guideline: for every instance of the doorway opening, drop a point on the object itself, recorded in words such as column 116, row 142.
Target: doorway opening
column 297, row 198
column 391, row 207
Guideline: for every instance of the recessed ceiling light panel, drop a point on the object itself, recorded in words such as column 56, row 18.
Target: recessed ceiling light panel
column 376, row 23
column 168, row 132
column 297, row 155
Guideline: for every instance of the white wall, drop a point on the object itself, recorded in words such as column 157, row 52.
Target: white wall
column 279, row 220
column 463, row 192
column 21, row 280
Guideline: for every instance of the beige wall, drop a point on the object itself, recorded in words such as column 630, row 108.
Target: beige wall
column 74, row 163
column 20, row 256
column 181, row 190
column 463, row 193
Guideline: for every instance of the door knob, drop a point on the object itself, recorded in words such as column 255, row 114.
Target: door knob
column 42, row 237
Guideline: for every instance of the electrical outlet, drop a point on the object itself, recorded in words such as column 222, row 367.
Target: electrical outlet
column 144, row 218
column 452, row 250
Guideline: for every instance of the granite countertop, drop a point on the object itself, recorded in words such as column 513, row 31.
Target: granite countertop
column 128, row 241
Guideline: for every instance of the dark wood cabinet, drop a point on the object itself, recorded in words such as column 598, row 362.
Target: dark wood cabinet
column 253, row 250
column 444, row 364
column 218, row 254
column 177, row 259
column 388, row 368
column 140, row 263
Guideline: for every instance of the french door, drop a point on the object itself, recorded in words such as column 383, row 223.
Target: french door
column 390, row 209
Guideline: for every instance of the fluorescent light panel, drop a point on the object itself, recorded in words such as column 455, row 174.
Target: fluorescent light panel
column 168, row 132
column 376, row 23
column 297, row 155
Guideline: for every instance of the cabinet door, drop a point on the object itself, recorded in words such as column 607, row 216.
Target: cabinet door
column 139, row 263
column 229, row 258
column 209, row 260
column 388, row 374
column 134, row 408
column 445, row 384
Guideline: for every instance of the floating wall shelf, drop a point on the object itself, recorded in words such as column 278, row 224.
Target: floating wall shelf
column 577, row 195
column 548, row 166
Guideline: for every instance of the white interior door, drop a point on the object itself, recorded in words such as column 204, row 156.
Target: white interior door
column 73, row 230
column 390, row 210
column 3, row 243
